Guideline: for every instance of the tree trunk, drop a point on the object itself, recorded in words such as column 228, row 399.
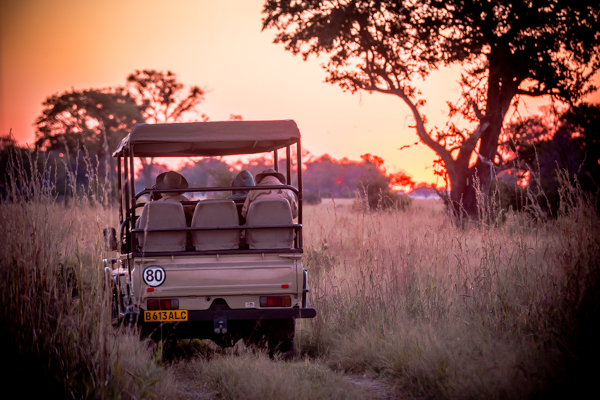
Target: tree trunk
column 466, row 185
column 466, row 182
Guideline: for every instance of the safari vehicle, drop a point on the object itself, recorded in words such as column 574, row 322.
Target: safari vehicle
column 196, row 280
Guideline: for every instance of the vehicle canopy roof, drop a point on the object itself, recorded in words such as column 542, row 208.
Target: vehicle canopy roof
column 208, row 138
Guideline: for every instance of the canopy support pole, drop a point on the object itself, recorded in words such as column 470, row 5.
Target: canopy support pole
column 119, row 161
column 299, row 168
column 288, row 164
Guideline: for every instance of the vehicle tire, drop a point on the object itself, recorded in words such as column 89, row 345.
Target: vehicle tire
column 281, row 338
column 284, row 348
column 111, row 287
column 114, row 309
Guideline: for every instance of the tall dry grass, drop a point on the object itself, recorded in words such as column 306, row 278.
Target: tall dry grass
column 486, row 310
column 502, row 307
column 54, row 315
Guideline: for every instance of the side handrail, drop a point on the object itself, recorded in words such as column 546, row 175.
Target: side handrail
column 216, row 189
column 218, row 228
column 296, row 227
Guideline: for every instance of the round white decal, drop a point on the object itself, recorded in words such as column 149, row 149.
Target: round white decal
column 154, row 276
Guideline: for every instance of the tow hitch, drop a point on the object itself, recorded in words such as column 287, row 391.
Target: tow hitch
column 220, row 323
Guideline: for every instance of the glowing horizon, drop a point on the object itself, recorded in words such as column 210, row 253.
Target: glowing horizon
column 51, row 47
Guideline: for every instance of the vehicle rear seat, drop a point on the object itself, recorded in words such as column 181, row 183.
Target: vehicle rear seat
column 157, row 215
column 215, row 213
column 270, row 212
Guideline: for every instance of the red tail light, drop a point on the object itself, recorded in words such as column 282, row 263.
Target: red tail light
column 275, row 301
column 163, row 304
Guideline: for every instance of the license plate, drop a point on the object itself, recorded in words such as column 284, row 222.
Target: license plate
column 166, row 316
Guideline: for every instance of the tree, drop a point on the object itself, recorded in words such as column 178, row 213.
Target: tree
column 209, row 172
column 345, row 178
column 508, row 48
column 161, row 99
column 571, row 145
column 94, row 119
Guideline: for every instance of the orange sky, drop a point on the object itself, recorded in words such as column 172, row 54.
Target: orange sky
column 48, row 47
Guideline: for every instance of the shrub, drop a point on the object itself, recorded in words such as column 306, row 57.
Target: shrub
column 311, row 198
column 375, row 197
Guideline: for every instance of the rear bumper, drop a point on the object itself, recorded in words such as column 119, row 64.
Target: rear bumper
column 238, row 315
column 234, row 315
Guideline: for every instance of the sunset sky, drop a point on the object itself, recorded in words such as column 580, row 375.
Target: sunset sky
column 50, row 46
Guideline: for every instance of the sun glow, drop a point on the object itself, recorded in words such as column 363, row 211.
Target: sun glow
column 52, row 47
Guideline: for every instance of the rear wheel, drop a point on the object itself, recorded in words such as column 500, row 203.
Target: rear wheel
column 281, row 338
column 114, row 309
column 111, row 286
column 284, row 347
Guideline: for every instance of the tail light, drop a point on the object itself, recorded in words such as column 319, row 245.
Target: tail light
column 275, row 301
column 163, row 304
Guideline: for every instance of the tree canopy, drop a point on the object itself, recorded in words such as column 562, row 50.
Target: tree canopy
column 98, row 119
column 538, row 146
column 161, row 97
column 368, row 178
column 507, row 49
column 94, row 118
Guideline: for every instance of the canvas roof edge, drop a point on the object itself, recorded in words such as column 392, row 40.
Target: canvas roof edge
column 215, row 138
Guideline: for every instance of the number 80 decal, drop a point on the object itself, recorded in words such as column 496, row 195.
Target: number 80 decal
column 154, row 276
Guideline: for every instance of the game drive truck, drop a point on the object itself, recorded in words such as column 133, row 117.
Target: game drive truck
column 206, row 275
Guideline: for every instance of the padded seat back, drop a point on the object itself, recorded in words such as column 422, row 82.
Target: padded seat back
column 270, row 212
column 215, row 213
column 161, row 215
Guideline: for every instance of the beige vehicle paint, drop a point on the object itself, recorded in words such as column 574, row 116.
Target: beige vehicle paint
column 238, row 279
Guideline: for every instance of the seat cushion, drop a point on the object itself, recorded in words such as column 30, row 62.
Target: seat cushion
column 270, row 212
column 161, row 215
column 216, row 213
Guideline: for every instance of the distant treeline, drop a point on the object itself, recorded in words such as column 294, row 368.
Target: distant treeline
column 323, row 176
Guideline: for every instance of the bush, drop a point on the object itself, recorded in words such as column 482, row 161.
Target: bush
column 312, row 198
column 377, row 197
